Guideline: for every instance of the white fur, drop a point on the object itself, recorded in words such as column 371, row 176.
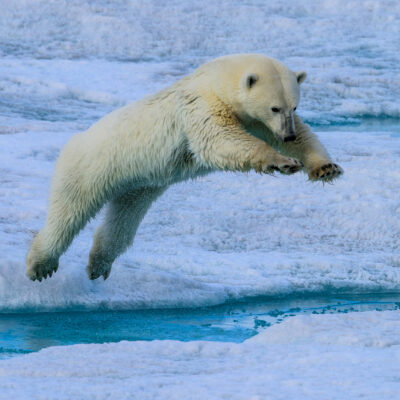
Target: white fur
column 209, row 120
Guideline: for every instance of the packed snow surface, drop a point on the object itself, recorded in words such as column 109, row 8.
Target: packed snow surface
column 222, row 237
column 336, row 357
column 225, row 236
column 348, row 47
column 66, row 63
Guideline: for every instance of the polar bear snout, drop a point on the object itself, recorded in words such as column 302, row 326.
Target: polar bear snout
column 289, row 138
column 289, row 131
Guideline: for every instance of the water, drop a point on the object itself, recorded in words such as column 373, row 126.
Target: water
column 23, row 333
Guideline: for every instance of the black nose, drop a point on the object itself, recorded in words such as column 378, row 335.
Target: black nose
column 289, row 138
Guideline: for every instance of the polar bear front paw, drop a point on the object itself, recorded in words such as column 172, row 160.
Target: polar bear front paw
column 96, row 269
column 286, row 165
column 325, row 173
column 41, row 269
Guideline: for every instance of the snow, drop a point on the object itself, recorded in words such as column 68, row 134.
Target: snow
column 224, row 237
column 305, row 357
column 348, row 47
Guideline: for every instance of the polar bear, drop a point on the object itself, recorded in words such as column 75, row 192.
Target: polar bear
column 234, row 113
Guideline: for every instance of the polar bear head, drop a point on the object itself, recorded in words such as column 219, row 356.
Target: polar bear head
column 265, row 90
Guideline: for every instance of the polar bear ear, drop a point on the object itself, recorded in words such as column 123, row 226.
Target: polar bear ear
column 300, row 76
column 251, row 79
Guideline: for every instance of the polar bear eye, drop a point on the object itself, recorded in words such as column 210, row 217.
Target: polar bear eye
column 294, row 109
column 275, row 109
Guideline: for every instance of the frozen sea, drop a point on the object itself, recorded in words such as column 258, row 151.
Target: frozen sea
column 226, row 250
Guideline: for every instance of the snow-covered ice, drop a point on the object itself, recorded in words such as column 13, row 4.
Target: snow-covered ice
column 335, row 357
column 64, row 64
column 349, row 47
column 222, row 237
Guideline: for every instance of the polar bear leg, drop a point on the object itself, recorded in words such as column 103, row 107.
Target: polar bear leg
column 114, row 236
column 221, row 141
column 62, row 225
column 70, row 208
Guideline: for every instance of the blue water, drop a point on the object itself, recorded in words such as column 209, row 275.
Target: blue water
column 379, row 125
column 28, row 332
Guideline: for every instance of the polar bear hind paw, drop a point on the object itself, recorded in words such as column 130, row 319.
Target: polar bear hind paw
column 326, row 172
column 41, row 269
column 95, row 270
